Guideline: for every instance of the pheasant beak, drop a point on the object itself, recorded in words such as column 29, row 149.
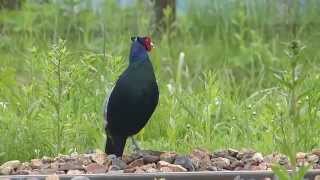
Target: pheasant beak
column 152, row 45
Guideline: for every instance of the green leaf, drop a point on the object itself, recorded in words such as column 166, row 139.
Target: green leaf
column 2, row 154
column 281, row 172
column 304, row 94
column 301, row 172
column 282, row 80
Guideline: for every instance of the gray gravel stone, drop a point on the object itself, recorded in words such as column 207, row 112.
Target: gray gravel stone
column 185, row 162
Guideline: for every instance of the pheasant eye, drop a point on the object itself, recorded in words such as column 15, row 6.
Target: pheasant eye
column 133, row 39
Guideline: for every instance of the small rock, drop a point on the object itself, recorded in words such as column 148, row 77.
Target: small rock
column 151, row 170
column 75, row 172
column 168, row 157
column 35, row 172
column 36, row 163
column 239, row 168
column 220, row 169
column 139, row 170
column 316, row 152
column 13, row 164
column 45, row 166
column 200, row 153
column 85, row 159
column 60, row 172
column 9, row 167
column 212, row 168
column 202, row 165
column 119, row 163
column 260, row 167
column 312, row 158
column 148, row 166
column 220, row 153
column 233, row 162
column 167, row 167
column 200, row 159
column 257, row 157
column 46, row 159
column 284, row 161
column 220, row 162
column 74, row 155
column 256, row 168
column 151, row 152
column 114, row 168
column 233, row 152
column 174, row 168
column 301, row 155
column 236, row 163
column 54, row 165
column 301, row 159
column 271, row 158
column 231, row 158
column 95, row 168
column 137, row 163
column 245, row 154
column 99, row 158
column 163, row 163
column 111, row 157
column 47, row 171
column 185, row 162
column 263, row 166
column 302, row 162
column 316, row 166
column 76, row 165
column 62, row 158
column 150, row 159
column 25, row 166
column 276, row 159
column 99, row 151
column 129, row 170
column 22, row 172
column 128, row 159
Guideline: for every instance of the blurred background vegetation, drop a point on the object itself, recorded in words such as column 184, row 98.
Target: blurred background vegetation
column 217, row 65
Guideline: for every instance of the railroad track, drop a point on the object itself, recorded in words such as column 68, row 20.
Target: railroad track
column 218, row 175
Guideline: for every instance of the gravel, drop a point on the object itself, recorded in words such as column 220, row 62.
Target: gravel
column 155, row 161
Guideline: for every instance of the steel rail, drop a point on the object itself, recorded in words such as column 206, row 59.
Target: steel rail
column 203, row 175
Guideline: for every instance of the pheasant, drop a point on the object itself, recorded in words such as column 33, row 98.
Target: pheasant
column 133, row 98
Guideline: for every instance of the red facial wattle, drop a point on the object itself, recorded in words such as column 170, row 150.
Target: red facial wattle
column 148, row 43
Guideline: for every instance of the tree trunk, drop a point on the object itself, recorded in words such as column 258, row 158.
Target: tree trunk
column 160, row 22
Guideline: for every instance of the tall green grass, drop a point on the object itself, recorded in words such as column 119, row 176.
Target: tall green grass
column 215, row 68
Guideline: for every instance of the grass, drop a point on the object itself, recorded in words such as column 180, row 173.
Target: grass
column 215, row 68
